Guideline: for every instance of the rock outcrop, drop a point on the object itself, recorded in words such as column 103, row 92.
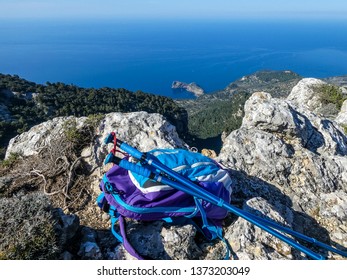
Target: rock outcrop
column 297, row 162
column 304, row 95
column 310, row 94
column 31, row 142
column 140, row 129
column 287, row 163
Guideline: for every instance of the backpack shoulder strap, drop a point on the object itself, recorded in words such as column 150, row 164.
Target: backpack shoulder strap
column 209, row 229
column 116, row 217
column 125, row 242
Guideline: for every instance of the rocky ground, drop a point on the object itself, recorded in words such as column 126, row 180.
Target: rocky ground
column 287, row 161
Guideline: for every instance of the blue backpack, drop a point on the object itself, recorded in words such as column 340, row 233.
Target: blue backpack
column 126, row 194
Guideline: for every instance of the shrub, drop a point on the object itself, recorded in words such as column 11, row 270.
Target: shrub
column 344, row 126
column 94, row 120
column 71, row 132
column 27, row 228
column 78, row 138
column 331, row 94
column 10, row 161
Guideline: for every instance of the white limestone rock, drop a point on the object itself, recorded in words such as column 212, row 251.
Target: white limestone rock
column 342, row 116
column 31, row 142
column 140, row 129
column 250, row 242
column 288, row 154
column 304, row 94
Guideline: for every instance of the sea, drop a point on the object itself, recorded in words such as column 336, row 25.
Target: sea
column 148, row 55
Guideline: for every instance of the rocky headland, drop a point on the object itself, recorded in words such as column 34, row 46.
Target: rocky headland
column 191, row 87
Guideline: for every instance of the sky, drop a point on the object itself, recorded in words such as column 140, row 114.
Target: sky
column 174, row 9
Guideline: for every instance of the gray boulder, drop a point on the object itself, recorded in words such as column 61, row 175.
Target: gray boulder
column 251, row 242
column 141, row 130
column 304, row 94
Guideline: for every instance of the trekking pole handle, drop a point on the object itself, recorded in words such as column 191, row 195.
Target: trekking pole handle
column 135, row 168
column 130, row 150
column 138, row 169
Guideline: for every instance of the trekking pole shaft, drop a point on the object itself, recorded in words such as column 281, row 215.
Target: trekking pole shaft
column 195, row 190
column 217, row 201
column 296, row 234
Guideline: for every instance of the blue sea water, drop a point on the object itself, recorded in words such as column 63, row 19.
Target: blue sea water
column 150, row 55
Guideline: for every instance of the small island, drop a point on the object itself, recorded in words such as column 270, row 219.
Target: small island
column 191, row 87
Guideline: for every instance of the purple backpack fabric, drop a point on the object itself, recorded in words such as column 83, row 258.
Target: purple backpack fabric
column 125, row 195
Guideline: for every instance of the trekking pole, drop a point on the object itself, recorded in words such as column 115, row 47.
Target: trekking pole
column 194, row 190
column 157, row 164
column 154, row 162
column 296, row 234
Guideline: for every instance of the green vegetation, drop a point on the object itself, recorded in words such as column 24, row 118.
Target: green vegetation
column 218, row 116
column 58, row 99
column 27, row 228
column 77, row 137
column 331, row 94
column 16, row 84
column 344, row 126
column 10, row 161
column 93, row 121
column 278, row 83
column 280, row 76
column 67, row 100
column 72, row 133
